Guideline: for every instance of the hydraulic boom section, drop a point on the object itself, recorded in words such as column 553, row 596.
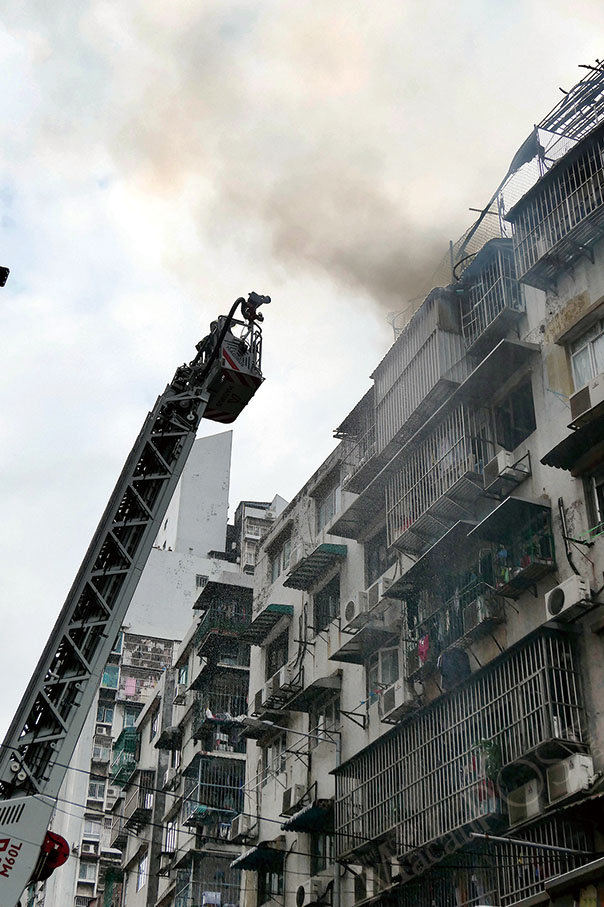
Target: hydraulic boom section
column 217, row 384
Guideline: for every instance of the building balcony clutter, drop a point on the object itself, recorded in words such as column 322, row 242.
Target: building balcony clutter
column 450, row 763
column 561, row 217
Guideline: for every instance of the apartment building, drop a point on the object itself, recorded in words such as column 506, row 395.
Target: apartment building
column 180, row 767
column 425, row 723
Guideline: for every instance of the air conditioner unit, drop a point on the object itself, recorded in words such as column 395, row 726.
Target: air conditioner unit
column 568, row 777
column 242, row 826
column 283, row 678
column 395, row 701
column 525, row 802
column 102, row 731
column 180, row 694
column 258, row 701
column 310, row 892
column 568, row 600
column 88, row 848
column 588, row 402
column 356, row 611
column 497, row 467
column 377, row 592
column 211, row 898
column 297, row 554
column 291, row 799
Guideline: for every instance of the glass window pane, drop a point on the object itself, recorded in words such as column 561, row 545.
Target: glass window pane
column 598, row 351
column 582, row 370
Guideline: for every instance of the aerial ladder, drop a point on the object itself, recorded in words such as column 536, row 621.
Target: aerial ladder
column 35, row 755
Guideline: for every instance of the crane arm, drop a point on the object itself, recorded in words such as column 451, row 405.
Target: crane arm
column 44, row 732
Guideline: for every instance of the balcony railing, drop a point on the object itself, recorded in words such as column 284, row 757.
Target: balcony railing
column 475, row 878
column 441, row 771
column 439, row 481
column 226, row 619
column 466, row 616
column 217, row 788
column 139, row 802
column 358, row 456
column 210, row 881
column 123, row 762
column 559, row 219
column 495, row 298
column 119, row 834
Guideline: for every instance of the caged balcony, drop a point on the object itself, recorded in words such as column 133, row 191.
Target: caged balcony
column 443, row 768
column 494, row 300
column 123, row 762
column 439, row 481
column 139, row 801
column 560, row 218
column 472, row 612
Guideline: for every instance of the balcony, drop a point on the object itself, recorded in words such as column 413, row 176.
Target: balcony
column 440, row 771
column 219, row 625
column 212, row 786
column 118, row 835
column 560, row 218
column 440, row 481
column 139, row 802
column 467, row 616
column 524, row 545
column 494, row 300
column 123, row 762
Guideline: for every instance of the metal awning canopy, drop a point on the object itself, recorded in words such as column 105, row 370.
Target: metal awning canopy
column 509, row 515
column 372, row 635
column 302, row 701
column 435, row 559
column 169, row 739
column 263, row 623
column 264, row 856
column 316, row 817
column 574, row 450
column 310, row 568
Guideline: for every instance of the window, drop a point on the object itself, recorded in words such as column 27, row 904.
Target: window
column 594, row 498
column 141, row 875
column 130, row 716
column 96, row 790
column 110, row 676
column 200, row 581
column 183, row 674
column 327, row 505
column 87, row 872
column 276, row 653
column 280, row 559
column 326, row 604
column 324, row 718
column 515, row 416
column 321, row 852
column 117, row 646
column 270, row 884
column 104, row 714
column 92, row 828
column 377, row 559
column 249, row 554
column 274, row 757
column 175, row 756
column 382, row 671
column 587, row 355
column 154, row 725
column 170, row 837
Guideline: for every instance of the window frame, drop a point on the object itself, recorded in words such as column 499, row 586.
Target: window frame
column 324, row 613
column 586, row 341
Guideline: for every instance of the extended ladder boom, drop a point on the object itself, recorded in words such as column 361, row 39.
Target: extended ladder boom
column 42, row 736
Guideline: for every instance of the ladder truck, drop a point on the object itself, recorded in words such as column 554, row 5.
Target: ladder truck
column 35, row 755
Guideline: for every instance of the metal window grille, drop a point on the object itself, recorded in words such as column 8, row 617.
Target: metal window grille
column 565, row 201
column 207, row 882
column 429, row 778
column 492, row 290
column 216, row 783
column 461, row 444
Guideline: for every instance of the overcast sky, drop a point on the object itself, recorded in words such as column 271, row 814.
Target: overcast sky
column 160, row 159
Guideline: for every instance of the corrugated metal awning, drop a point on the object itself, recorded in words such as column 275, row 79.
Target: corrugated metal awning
column 510, row 514
column 568, row 453
column 264, row 622
column 263, row 856
column 302, row 701
column 310, row 568
column 435, row 559
column 316, row 817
